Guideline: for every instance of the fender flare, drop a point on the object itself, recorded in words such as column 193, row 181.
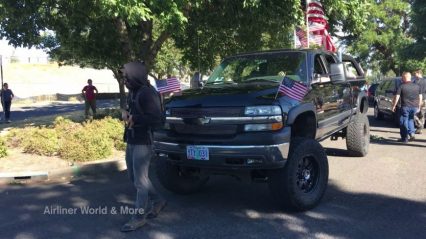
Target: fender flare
column 300, row 109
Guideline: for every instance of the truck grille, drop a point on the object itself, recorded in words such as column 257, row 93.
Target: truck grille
column 192, row 129
column 205, row 130
column 206, row 112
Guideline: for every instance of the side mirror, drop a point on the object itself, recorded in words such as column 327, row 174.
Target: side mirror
column 337, row 73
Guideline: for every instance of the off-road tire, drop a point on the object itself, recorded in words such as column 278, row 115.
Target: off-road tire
column 301, row 184
column 358, row 136
column 175, row 178
column 377, row 114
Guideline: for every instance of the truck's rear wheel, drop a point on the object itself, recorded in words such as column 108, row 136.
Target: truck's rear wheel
column 177, row 179
column 358, row 136
column 301, row 184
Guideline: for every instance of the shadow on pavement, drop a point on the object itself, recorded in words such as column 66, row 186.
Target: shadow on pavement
column 24, row 112
column 223, row 209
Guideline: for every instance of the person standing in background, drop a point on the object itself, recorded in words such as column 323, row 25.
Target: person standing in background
column 89, row 93
column 411, row 98
column 420, row 116
column 6, row 101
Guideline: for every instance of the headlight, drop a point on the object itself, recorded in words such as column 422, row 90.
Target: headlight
column 258, row 111
column 262, row 110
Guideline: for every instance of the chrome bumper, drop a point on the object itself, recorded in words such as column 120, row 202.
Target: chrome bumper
column 228, row 156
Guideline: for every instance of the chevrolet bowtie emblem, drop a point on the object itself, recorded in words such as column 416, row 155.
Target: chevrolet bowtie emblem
column 204, row 120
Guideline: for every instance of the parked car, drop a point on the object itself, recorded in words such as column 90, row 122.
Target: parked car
column 371, row 92
column 385, row 93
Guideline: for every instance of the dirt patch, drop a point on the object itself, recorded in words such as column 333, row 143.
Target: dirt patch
column 17, row 161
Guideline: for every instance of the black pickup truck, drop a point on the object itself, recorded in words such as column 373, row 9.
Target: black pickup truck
column 260, row 116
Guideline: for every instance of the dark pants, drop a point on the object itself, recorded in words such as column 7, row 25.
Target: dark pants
column 406, row 122
column 138, row 159
column 90, row 104
column 6, row 109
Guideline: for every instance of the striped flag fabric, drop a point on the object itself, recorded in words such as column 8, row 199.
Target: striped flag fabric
column 293, row 89
column 168, row 85
column 317, row 25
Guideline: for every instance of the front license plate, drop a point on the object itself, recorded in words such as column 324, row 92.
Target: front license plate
column 197, row 153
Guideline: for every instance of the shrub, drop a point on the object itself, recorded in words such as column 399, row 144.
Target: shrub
column 41, row 141
column 85, row 144
column 3, row 148
column 86, row 141
column 113, row 128
column 15, row 136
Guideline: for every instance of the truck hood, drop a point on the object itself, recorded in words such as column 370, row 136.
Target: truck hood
column 225, row 96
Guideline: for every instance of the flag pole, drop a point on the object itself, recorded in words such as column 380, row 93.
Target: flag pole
column 307, row 23
column 278, row 90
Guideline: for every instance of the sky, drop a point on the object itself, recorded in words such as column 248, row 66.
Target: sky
column 7, row 51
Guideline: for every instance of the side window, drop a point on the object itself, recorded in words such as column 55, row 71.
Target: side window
column 318, row 66
column 384, row 86
column 351, row 71
column 329, row 59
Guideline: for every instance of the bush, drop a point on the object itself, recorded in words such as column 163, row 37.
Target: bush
column 113, row 128
column 3, row 148
column 86, row 141
column 41, row 141
column 85, row 144
column 15, row 136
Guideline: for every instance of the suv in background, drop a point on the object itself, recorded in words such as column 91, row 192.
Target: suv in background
column 371, row 93
column 385, row 93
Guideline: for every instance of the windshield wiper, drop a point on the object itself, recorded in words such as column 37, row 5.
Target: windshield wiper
column 261, row 80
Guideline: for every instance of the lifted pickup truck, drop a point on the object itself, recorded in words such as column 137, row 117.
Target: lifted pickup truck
column 239, row 123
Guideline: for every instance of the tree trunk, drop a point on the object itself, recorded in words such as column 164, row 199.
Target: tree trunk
column 119, row 78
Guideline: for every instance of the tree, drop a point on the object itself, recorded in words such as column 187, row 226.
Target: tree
column 381, row 45
column 109, row 33
column 417, row 49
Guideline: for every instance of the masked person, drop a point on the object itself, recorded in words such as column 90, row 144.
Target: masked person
column 144, row 110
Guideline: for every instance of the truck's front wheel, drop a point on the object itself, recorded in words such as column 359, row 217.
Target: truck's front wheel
column 301, row 184
column 178, row 179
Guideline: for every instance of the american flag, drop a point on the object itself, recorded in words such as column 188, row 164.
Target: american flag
column 293, row 89
column 169, row 85
column 318, row 25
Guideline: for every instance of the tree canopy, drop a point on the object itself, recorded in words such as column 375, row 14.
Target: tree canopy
column 389, row 34
column 109, row 33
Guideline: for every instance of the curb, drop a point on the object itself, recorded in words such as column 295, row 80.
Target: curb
column 78, row 170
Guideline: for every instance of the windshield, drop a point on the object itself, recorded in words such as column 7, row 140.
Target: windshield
column 267, row 68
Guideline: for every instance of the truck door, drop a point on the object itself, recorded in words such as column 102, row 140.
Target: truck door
column 345, row 97
column 325, row 97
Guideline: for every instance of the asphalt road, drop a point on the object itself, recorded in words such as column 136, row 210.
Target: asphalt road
column 382, row 195
column 22, row 112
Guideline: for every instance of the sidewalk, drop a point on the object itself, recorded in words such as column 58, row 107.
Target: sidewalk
column 20, row 167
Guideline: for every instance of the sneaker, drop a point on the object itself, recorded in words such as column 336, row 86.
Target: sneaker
column 412, row 137
column 403, row 141
column 156, row 208
column 133, row 224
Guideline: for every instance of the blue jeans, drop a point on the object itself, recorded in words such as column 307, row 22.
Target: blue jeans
column 138, row 158
column 406, row 122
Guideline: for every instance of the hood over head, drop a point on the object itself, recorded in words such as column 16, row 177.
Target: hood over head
column 135, row 74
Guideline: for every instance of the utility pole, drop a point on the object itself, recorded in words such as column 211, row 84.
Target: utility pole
column 1, row 75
